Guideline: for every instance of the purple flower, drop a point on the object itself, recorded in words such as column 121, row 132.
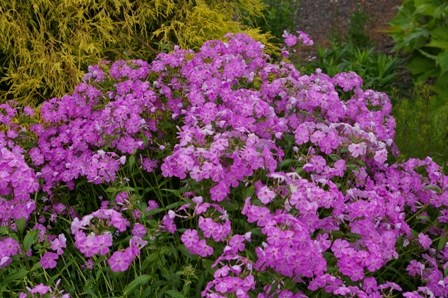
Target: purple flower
column 190, row 238
column 424, row 240
column 290, row 39
column 120, row 261
column 48, row 260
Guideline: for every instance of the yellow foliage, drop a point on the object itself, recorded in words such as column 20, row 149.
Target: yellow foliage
column 46, row 45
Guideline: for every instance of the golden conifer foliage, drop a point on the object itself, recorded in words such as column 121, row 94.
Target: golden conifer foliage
column 46, row 45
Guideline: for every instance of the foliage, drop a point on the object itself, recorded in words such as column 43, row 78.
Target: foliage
column 216, row 173
column 420, row 28
column 46, row 46
column 278, row 16
column 357, row 31
column 422, row 124
column 379, row 71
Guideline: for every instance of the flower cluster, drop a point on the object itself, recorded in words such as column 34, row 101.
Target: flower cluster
column 282, row 186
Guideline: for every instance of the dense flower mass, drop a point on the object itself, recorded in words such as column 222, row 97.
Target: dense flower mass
column 282, row 188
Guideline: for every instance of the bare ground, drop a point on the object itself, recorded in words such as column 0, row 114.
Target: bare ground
column 319, row 18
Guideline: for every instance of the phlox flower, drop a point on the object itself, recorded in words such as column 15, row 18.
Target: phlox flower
column 412, row 295
column 28, row 111
column 290, row 39
column 339, row 246
column 138, row 230
column 381, row 156
column 119, row 222
column 415, row 268
column 219, row 191
column 59, row 243
column 136, row 244
column 265, row 195
column 424, row 240
column 357, row 149
column 5, row 261
column 120, row 261
column 40, row 288
column 48, row 260
column 202, row 249
column 304, row 38
column 101, row 244
column 168, row 224
column 190, row 238
column 237, row 242
column 9, row 247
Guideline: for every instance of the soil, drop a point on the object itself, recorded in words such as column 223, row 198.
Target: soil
column 320, row 18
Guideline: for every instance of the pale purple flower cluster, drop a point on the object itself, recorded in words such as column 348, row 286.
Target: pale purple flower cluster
column 286, row 181
column 42, row 289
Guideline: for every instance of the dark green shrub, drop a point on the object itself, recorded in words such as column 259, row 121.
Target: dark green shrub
column 279, row 15
column 421, row 29
column 379, row 71
column 422, row 124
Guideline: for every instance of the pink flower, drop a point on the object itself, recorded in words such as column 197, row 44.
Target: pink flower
column 190, row 238
column 120, row 261
column 59, row 243
column 266, row 195
column 9, row 247
column 138, row 230
column 202, row 249
column 424, row 240
column 48, row 260
column 415, row 268
column 290, row 39
column 304, row 38
column 101, row 244
column 40, row 288
column 357, row 149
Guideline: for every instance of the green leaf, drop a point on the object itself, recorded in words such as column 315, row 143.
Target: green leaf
column 154, row 211
column 442, row 61
column 15, row 276
column 424, row 7
column 111, row 189
column 3, row 230
column 442, row 243
column 248, row 192
column 174, row 191
column 426, row 54
column 126, row 188
column 416, row 38
column 439, row 38
column 139, row 281
column 175, row 294
column 286, row 162
column 207, row 264
column 165, row 125
column 431, row 187
column 334, row 157
column 150, row 260
column 131, row 161
column 38, row 265
column 20, row 223
column 30, row 238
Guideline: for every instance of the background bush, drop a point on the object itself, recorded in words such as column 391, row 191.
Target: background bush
column 421, row 29
column 278, row 16
column 378, row 70
column 422, row 122
column 46, row 46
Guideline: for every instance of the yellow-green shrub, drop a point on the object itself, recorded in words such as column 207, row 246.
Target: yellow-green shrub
column 46, row 45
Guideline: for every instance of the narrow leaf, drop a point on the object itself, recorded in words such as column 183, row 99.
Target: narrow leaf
column 175, row 294
column 139, row 281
